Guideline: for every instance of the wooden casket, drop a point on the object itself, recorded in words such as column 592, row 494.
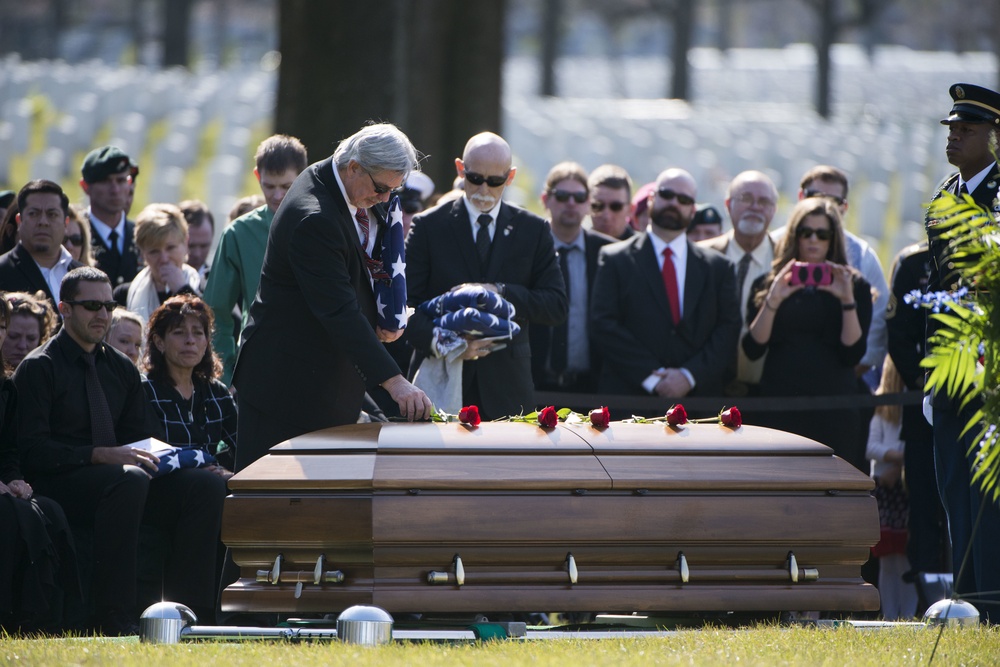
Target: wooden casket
column 508, row 517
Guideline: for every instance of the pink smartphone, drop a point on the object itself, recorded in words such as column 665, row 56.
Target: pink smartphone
column 808, row 273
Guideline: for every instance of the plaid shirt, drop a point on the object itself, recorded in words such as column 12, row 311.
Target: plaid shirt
column 206, row 420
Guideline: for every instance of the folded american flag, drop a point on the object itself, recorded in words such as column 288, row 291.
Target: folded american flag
column 472, row 311
column 183, row 457
column 389, row 281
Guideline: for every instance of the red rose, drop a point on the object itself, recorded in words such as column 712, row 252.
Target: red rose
column 677, row 415
column 469, row 415
column 600, row 417
column 548, row 418
column 731, row 417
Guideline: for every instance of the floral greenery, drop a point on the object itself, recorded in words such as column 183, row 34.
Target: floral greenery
column 964, row 352
column 677, row 416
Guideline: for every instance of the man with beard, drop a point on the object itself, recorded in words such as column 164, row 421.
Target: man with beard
column 562, row 358
column 751, row 201
column 664, row 311
column 505, row 249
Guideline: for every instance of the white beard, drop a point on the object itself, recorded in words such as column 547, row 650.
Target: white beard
column 751, row 227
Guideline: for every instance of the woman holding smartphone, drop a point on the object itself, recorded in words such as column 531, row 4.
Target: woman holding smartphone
column 812, row 322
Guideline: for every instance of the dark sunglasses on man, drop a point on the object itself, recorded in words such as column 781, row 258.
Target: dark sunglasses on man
column 562, row 196
column 666, row 194
column 491, row 181
column 614, row 206
column 840, row 201
column 93, row 305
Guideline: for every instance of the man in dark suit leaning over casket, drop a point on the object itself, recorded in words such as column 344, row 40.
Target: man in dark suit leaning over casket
column 663, row 310
column 311, row 345
column 38, row 261
column 479, row 239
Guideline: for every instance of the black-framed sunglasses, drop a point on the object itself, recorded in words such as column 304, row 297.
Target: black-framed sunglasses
column 666, row 194
column 614, row 206
column 840, row 201
column 491, row 181
column 74, row 239
column 93, row 305
column 382, row 189
column 562, row 196
column 807, row 233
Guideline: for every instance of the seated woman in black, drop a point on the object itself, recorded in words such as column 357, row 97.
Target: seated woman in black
column 192, row 408
column 814, row 335
column 39, row 582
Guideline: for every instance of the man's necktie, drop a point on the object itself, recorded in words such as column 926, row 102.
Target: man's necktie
column 560, row 334
column 113, row 243
column 483, row 239
column 362, row 217
column 102, row 425
column 741, row 273
column 670, row 283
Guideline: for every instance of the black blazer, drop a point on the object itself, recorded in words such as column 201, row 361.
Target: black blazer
column 541, row 335
column 20, row 273
column 631, row 323
column 441, row 254
column 309, row 349
column 120, row 269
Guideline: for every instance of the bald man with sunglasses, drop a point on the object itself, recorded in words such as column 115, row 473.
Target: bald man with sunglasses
column 664, row 311
column 481, row 239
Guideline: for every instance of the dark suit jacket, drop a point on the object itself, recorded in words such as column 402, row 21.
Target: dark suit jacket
column 941, row 275
column 541, row 336
column 20, row 273
column 631, row 323
column 441, row 254
column 119, row 269
column 309, row 349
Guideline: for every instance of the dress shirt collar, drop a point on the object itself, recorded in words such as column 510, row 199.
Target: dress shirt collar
column 678, row 247
column 974, row 182
column 474, row 214
column 578, row 242
column 104, row 230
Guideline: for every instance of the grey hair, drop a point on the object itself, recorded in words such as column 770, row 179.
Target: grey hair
column 377, row 147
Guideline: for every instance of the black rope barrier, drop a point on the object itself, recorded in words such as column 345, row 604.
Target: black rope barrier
column 654, row 405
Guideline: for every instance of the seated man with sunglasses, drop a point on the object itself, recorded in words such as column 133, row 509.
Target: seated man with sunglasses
column 38, row 261
column 80, row 402
column 562, row 358
column 610, row 201
column 480, row 239
column 663, row 310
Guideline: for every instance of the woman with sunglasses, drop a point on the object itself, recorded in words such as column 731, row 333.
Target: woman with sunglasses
column 813, row 326
column 77, row 238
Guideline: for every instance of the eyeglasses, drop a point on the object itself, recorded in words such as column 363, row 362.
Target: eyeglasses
column 93, row 305
column 73, row 239
column 381, row 189
column 598, row 206
column 682, row 199
column 840, row 201
column 492, row 181
column 807, row 233
column 748, row 199
column 562, row 196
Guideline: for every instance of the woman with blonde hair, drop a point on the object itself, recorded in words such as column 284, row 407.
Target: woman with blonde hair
column 813, row 326
column 77, row 238
column 161, row 235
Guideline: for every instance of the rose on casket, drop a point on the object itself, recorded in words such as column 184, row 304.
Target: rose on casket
column 677, row 415
column 731, row 417
column 547, row 417
column 600, row 417
column 470, row 415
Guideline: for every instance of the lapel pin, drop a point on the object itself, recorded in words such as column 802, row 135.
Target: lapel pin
column 506, row 231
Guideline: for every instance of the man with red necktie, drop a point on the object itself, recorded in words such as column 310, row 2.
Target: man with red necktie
column 664, row 311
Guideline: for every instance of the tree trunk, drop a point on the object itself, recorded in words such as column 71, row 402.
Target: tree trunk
column 431, row 68
column 551, row 11
column 176, row 33
column 724, row 29
column 827, row 34
column 683, row 20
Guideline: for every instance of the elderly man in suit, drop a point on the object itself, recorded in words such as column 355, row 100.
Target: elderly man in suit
column 663, row 310
column 311, row 346
column 108, row 175
column 751, row 202
column 562, row 358
column 39, row 261
column 480, row 239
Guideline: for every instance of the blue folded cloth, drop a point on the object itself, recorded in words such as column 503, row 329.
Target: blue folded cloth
column 183, row 457
column 472, row 311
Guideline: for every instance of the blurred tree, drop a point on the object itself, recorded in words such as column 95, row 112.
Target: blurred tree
column 550, row 38
column 432, row 68
column 176, row 32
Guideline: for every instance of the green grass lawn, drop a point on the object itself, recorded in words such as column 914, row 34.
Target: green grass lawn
column 763, row 645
